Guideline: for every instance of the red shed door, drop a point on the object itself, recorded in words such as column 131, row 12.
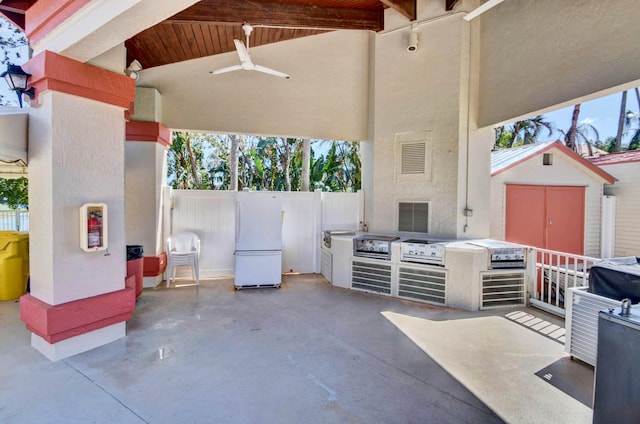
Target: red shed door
column 549, row 217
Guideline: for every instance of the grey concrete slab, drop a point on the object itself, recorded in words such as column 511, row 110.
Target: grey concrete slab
column 306, row 352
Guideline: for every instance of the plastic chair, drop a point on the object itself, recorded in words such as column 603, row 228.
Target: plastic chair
column 183, row 249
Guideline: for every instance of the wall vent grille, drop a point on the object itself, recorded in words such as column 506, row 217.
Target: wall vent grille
column 503, row 289
column 422, row 284
column 413, row 158
column 371, row 277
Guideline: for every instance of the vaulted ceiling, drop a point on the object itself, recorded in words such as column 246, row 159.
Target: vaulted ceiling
column 209, row 26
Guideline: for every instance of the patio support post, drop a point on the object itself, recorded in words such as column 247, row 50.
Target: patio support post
column 145, row 175
column 78, row 299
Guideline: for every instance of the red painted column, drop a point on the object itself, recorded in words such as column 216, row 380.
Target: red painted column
column 79, row 300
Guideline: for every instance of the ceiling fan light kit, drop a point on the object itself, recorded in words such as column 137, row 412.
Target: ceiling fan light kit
column 245, row 60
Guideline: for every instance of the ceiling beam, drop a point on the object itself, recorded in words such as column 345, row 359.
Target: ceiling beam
column 404, row 7
column 450, row 4
column 17, row 19
column 14, row 11
column 281, row 14
column 17, row 6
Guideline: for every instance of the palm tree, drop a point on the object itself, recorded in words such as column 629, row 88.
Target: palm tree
column 579, row 131
column 233, row 163
column 306, row 162
column 630, row 118
column 621, row 120
column 522, row 132
column 185, row 160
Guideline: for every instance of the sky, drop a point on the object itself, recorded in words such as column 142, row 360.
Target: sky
column 602, row 113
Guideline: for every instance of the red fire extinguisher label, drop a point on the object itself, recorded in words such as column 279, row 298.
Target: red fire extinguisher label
column 93, row 231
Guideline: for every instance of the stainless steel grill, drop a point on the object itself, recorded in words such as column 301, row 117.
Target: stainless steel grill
column 502, row 254
column 373, row 246
column 423, row 251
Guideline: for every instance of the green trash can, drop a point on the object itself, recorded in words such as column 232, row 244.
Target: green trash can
column 14, row 264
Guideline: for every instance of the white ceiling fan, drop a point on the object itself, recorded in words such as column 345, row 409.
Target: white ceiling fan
column 245, row 60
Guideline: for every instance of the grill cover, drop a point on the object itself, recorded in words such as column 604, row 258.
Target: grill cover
column 617, row 278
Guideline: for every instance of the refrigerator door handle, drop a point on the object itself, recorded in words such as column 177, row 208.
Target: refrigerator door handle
column 237, row 222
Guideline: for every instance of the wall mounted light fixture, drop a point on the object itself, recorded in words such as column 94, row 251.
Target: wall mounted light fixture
column 17, row 80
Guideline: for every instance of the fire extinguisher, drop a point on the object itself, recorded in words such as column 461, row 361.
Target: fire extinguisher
column 93, row 231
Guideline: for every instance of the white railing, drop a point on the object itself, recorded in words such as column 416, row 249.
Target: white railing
column 554, row 273
column 11, row 220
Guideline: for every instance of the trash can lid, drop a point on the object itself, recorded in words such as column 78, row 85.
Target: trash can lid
column 134, row 251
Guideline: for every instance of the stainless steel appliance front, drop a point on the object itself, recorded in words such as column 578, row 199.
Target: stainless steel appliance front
column 502, row 254
column 423, row 251
column 373, row 246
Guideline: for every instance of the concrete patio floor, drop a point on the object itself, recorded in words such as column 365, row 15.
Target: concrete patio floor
column 305, row 353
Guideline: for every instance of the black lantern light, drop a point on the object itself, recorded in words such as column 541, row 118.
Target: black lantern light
column 17, row 78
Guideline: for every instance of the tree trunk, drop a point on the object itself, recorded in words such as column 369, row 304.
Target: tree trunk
column 287, row 164
column 306, row 162
column 233, row 163
column 192, row 162
column 571, row 134
column 623, row 114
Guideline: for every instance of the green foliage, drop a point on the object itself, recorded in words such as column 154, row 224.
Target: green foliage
column 522, row 132
column 201, row 161
column 13, row 44
column 14, row 192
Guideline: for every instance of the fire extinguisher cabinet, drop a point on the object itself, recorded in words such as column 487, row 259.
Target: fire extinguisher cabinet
column 93, row 227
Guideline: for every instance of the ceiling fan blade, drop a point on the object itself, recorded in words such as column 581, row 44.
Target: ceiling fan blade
column 243, row 53
column 271, row 71
column 227, row 69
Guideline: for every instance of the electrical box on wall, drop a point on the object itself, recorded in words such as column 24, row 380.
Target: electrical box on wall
column 93, row 227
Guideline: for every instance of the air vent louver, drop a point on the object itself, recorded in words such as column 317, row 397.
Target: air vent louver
column 413, row 158
column 503, row 289
column 422, row 284
column 371, row 277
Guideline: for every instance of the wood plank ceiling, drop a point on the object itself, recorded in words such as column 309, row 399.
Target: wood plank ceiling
column 209, row 26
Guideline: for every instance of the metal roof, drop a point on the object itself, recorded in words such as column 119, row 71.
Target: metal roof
column 615, row 158
column 504, row 159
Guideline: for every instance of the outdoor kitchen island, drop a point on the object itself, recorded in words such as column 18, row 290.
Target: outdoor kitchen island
column 469, row 276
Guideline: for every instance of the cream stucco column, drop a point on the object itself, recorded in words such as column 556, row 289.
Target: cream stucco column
column 78, row 299
column 145, row 175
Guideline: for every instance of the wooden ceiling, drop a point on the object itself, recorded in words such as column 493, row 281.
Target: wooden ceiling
column 209, row 26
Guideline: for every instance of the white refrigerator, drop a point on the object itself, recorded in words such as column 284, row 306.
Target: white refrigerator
column 258, row 250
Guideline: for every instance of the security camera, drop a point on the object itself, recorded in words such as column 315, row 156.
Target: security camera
column 413, row 42
column 133, row 69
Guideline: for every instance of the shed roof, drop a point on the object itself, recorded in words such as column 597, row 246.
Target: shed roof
column 615, row 158
column 505, row 159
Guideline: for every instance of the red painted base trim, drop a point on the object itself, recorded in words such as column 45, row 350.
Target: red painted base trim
column 51, row 71
column 148, row 131
column 61, row 322
column 155, row 265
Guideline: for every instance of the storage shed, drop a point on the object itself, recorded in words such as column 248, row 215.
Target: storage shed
column 625, row 167
column 547, row 196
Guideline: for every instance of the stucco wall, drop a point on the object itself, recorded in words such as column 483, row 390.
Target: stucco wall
column 326, row 97
column 145, row 174
column 537, row 54
column 627, row 192
column 64, row 174
column 420, row 93
column 564, row 171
